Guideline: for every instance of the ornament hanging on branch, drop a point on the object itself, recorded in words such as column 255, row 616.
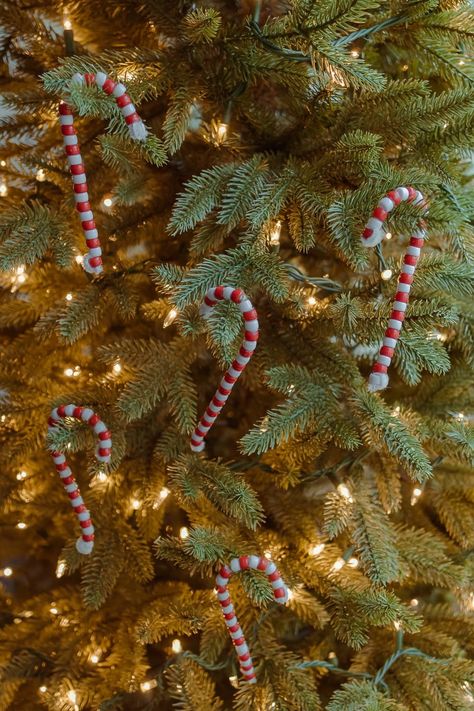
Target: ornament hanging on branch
column 92, row 261
column 85, row 543
column 280, row 593
column 372, row 236
column 227, row 293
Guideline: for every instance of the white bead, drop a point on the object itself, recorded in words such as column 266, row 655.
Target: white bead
column 83, row 516
column 374, row 224
column 389, row 342
column 404, row 288
column 242, row 360
column 197, row 447
column 70, row 140
column 105, row 458
column 236, row 635
column 386, row 204
column 137, row 131
column 229, row 608
column 78, row 501
column 100, row 79
column 128, row 110
column 70, row 487
column 88, row 530
column 66, row 120
column 119, row 90
column 86, row 414
column 277, row 584
column 402, row 193
column 205, row 310
column 242, row 649
column 420, row 233
column 233, row 373
column 59, row 459
column 91, row 234
column 408, row 269
column 81, row 197
column 84, row 547
column 79, row 179
column 105, row 444
column 377, row 381
column 65, row 473
column 384, row 360
column 270, row 569
column 394, row 323
column 69, row 410
column 254, row 561
column 222, row 595
column 75, row 160
column 233, row 621
column 95, row 252
column 235, row 565
column 249, row 345
column 77, row 78
column 86, row 216
column 220, row 580
column 245, row 306
column 399, row 306
column 54, row 414
column 228, row 290
column 251, row 326
column 413, row 251
column 99, row 427
column 419, row 198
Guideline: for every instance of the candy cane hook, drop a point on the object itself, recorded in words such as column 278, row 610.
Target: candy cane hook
column 92, row 261
column 372, row 236
column 280, row 593
column 247, row 348
column 85, row 543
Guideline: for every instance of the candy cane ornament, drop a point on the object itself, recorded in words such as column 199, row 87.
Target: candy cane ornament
column 92, row 261
column 372, row 236
column 237, row 296
column 280, row 593
column 85, row 543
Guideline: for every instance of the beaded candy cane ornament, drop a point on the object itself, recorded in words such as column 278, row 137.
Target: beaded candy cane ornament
column 372, row 236
column 247, row 348
column 280, row 593
column 85, row 543
column 92, row 261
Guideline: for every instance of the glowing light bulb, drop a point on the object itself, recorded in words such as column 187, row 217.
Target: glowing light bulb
column 79, row 258
column 69, row 372
column 68, row 297
column 101, row 476
column 117, row 368
column 60, row 568
column 386, row 274
column 3, row 163
column 95, row 658
column 267, row 554
column 332, row 655
column 222, row 129
column 311, row 300
column 72, row 696
column 317, row 549
column 388, row 235
column 40, row 175
column 397, row 625
column 291, row 594
column 54, row 610
column 43, row 689
column 67, row 24
column 355, row 54
column 164, row 493
column 338, row 564
column 417, row 492
column 176, row 646
column 21, row 475
column 405, row 68
column 107, row 202
column 3, row 189
column 396, row 411
column 183, row 533
column 21, row 524
column 461, row 62
column 136, row 504
column 170, row 318
column 234, row 682
column 414, row 602
column 353, row 562
column 7, row 572
column 459, row 416
column 344, row 491
column 145, row 686
column 275, row 233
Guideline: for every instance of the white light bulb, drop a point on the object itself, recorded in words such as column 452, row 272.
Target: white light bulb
column 355, row 54
column 275, row 233
column 386, row 274
column 170, row 318
column 72, row 696
column 95, row 658
column 21, row 475
column 317, row 549
column 388, row 235
column 79, row 258
column 136, row 503
column 291, row 594
column 67, row 24
column 311, row 300
column 21, row 524
column 267, row 554
column 116, row 368
column 68, row 297
column 7, row 572
column 102, row 476
column 343, row 490
column 414, row 602
column 339, row 563
column 176, row 646
column 3, row 163
column 107, row 202
column 145, row 686
column 68, row 372
column 40, row 175
column 164, row 493
column 183, row 532
column 417, row 492
column 60, row 569
column 53, row 610
column 222, row 129
column 353, row 562
column 3, row 189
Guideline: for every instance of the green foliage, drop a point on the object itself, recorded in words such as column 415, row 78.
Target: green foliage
column 362, row 696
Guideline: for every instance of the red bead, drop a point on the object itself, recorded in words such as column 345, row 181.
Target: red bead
column 244, row 562
column 386, row 351
column 216, row 402
column 245, row 657
column 93, row 420
column 104, row 451
column 229, row 379
column 104, row 435
column 279, row 592
column 86, row 523
column 402, row 296
column 79, row 509
column 251, row 336
column 417, row 242
column 411, row 194
column 397, row 315
column 250, row 315
column 209, row 302
column 195, row 442
column 64, row 109
column 72, row 150
column 380, row 213
column 89, row 78
column 108, row 86
column 88, row 225
column 61, row 467
column 80, row 187
column 239, row 641
column 236, row 296
column 219, row 292
column 88, row 537
column 83, row 206
column 225, row 572
column 205, row 422
column 74, row 494
column 68, row 130
column 68, row 480
column 210, row 413
column 234, row 628
column 224, row 391
column 406, row 278
column 367, row 233
column 392, row 333
column 262, row 564
column 77, row 169
column 123, row 100
column 408, row 259
column 245, row 353
column 95, row 261
column 133, row 118
column 228, row 615
column 379, row 368
column 394, row 197
column 52, row 423
column 238, row 366
column 274, row 576
column 62, row 411
column 91, row 243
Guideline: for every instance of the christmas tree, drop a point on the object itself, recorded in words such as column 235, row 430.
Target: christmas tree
column 243, row 145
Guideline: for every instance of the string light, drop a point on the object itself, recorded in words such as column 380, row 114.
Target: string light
column 183, row 533
column 267, row 554
column 21, row 524
column 107, row 202
column 317, row 549
column 414, row 602
column 60, row 568
column 461, row 62
column 291, row 594
column 3, row 189
column 43, row 689
column 459, row 416
column 40, row 175
column 170, row 318
column 275, row 234
column 388, row 235
column 417, row 492
column 338, row 564
column 386, row 274
column 221, row 132
column 95, row 658
column 79, row 259
column 69, row 372
column 102, row 476
column 54, row 610
column 311, row 300
column 67, row 24
column 397, row 625
column 396, row 411
column 7, row 572
column 234, row 682
column 147, row 685
column 355, row 54
column 161, row 497
column 72, row 696
column 332, row 655
column 353, row 562
column 21, row 475
column 344, row 491
column 116, row 368
column 176, row 646
column 136, row 504
column 405, row 68
column 3, row 163
column 68, row 297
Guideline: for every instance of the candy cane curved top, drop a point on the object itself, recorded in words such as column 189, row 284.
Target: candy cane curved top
column 247, row 348
column 85, row 543
column 280, row 593
column 92, row 261
column 372, row 235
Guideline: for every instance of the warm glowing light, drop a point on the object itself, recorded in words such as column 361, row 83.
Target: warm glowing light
column 7, row 572
column 417, row 492
column 136, row 504
column 164, row 493
column 170, row 318
column 355, row 54
column 69, row 372
column 275, row 233
column 95, row 658
column 222, row 129
column 3, row 163
column 21, row 475
column 397, row 625
column 3, row 189
column 60, row 569
column 21, row 278
column 40, row 175
column 317, row 549
column 102, row 476
column 72, row 696
column 21, row 524
column 107, row 202
column 405, row 68
column 461, row 62
column 311, row 300
column 388, row 235
column 414, row 602
column 353, row 562
column 267, row 554
column 459, row 416
column 396, row 411
column 79, row 258
column 116, row 368
column 43, row 689
column 344, row 491
column 68, row 297
column 234, row 681
column 332, row 655
column 183, row 533
column 54, row 610
column 339, row 563
column 176, row 646
column 67, row 24
column 386, row 274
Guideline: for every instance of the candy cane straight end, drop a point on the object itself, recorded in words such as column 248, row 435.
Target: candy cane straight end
column 227, row 293
column 372, row 235
column 85, row 543
column 92, row 261
column 280, row 593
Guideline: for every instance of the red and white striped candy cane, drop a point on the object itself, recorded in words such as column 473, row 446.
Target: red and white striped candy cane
column 280, row 593
column 372, row 236
column 85, row 543
column 92, row 261
column 247, row 348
